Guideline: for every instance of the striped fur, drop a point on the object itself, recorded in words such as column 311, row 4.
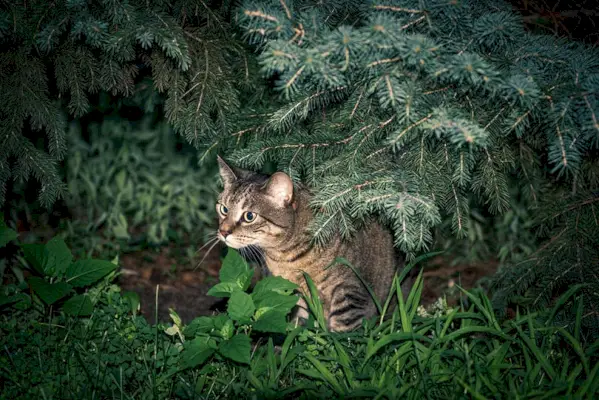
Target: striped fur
column 280, row 231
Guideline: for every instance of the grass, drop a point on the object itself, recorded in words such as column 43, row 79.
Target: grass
column 465, row 353
column 251, row 352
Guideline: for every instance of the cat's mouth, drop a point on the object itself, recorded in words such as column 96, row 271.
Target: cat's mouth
column 231, row 241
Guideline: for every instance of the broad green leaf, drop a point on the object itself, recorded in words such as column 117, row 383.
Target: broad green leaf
column 234, row 267
column 6, row 235
column 48, row 292
column 35, row 254
column 276, row 284
column 227, row 329
column 85, row 272
column 241, row 307
column 80, row 305
column 197, row 351
column 273, row 301
column 237, row 348
column 134, row 301
column 271, row 321
column 199, row 325
column 245, row 279
column 223, row 289
column 58, row 257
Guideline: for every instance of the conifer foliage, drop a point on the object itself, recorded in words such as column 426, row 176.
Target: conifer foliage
column 406, row 108
column 416, row 111
column 55, row 55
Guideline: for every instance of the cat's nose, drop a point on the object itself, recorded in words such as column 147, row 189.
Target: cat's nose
column 224, row 232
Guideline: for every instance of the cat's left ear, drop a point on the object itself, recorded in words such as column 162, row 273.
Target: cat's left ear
column 227, row 174
column 280, row 188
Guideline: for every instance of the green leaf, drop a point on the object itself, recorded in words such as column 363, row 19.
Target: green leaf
column 266, row 301
column 175, row 317
column 134, row 301
column 325, row 374
column 85, row 272
column 223, row 289
column 197, row 351
column 271, row 321
column 6, row 235
column 35, row 255
column 276, row 284
column 79, row 305
column 4, row 299
column 241, row 307
column 234, row 269
column 227, row 329
column 199, row 325
column 21, row 301
column 393, row 337
column 48, row 292
column 245, row 279
column 58, row 257
column 237, row 348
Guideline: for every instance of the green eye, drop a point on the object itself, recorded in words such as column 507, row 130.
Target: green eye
column 223, row 209
column 249, row 216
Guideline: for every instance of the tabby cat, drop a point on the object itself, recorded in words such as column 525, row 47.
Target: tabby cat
column 272, row 214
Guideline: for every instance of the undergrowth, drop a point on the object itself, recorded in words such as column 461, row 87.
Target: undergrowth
column 90, row 342
column 134, row 185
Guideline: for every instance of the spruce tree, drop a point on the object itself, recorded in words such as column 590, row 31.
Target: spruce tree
column 417, row 111
column 55, row 56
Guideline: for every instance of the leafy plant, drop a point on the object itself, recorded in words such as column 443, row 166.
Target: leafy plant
column 137, row 182
column 228, row 335
column 464, row 352
column 55, row 278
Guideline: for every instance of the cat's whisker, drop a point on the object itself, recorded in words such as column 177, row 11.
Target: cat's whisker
column 258, row 256
column 206, row 255
column 206, row 244
column 209, row 234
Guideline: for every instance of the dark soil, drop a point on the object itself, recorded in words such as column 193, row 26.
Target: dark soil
column 184, row 287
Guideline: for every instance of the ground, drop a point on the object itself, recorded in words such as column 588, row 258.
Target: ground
column 184, row 288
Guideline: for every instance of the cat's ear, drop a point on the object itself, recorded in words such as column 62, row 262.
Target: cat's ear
column 227, row 174
column 280, row 188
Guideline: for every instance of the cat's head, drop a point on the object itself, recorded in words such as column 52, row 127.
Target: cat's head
column 254, row 209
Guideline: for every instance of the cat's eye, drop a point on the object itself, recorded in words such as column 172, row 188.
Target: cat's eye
column 223, row 209
column 249, row 217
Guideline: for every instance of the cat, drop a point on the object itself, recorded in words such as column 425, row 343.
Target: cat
column 272, row 213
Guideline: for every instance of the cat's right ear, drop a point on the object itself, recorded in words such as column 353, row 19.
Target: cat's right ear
column 227, row 173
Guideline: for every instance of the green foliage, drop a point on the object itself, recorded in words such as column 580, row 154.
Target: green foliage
column 435, row 115
column 103, row 349
column 568, row 257
column 56, row 56
column 404, row 116
column 54, row 277
column 136, row 182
